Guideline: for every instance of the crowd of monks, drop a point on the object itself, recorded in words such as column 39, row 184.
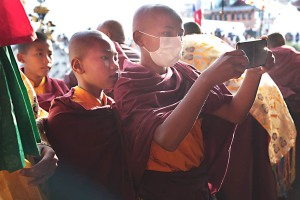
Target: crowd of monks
column 180, row 118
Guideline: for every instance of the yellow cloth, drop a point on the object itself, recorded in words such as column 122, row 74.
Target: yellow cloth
column 15, row 187
column 188, row 155
column 39, row 113
column 88, row 101
column 40, row 89
column 270, row 110
column 200, row 50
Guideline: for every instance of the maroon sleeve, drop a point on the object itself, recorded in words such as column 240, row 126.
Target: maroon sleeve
column 216, row 98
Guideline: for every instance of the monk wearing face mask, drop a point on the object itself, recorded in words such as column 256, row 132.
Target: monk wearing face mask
column 168, row 52
column 180, row 122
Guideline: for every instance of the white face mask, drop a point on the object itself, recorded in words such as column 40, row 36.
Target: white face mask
column 169, row 51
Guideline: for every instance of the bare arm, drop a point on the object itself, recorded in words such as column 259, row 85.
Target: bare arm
column 242, row 102
column 178, row 124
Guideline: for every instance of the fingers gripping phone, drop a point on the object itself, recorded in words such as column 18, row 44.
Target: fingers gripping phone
column 256, row 51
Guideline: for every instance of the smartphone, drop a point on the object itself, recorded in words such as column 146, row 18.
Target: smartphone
column 256, row 51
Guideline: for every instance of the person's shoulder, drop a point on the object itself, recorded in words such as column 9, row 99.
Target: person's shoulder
column 64, row 99
column 185, row 67
column 60, row 104
column 59, row 82
column 283, row 50
column 188, row 71
column 130, row 66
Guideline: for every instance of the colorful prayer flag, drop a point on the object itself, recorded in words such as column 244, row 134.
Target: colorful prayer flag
column 198, row 12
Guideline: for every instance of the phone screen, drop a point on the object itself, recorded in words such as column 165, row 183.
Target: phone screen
column 255, row 51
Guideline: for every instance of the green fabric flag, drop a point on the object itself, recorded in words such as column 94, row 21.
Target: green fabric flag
column 18, row 130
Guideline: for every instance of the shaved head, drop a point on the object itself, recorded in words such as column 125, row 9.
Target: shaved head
column 81, row 41
column 113, row 29
column 145, row 15
column 151, row 22
column 275, row 40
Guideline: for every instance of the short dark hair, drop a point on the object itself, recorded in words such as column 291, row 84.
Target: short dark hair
column 191, row 28
column 275, row 40
column 41, row 37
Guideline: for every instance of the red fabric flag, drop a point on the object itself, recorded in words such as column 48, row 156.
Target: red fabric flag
column 15, row 26
column 198, row 12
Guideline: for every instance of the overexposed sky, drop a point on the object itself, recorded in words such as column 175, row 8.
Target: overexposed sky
column 70, row 16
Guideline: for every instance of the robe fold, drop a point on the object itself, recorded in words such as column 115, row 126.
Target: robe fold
column 91, row 152
column 144, row 100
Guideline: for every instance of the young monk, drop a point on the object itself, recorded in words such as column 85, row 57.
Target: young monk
column 169, row 110
column 82, row 126
column 36, row 58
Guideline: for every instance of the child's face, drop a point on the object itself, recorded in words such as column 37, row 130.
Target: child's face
column 37, row 59
column 100, row 65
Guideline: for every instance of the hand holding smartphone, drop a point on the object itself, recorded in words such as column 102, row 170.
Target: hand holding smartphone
column 255, row 51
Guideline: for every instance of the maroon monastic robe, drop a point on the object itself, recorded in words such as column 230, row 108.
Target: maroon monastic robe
column 250, row 175
column 286, row 74
column 53, row 88
column 144, row 99
column 91, row 152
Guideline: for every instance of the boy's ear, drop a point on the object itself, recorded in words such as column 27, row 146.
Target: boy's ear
column 20, row 57
column 76, row 66
column 137, row 38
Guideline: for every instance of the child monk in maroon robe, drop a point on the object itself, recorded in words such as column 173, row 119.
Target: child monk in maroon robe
column 174, row 115
column 36, row 58
column 83, row 129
